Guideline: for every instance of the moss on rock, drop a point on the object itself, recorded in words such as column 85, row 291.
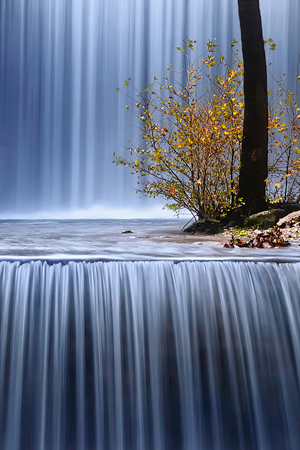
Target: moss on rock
column 265, row 219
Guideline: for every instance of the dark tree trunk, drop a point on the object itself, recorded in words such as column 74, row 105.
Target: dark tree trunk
column 254, row 157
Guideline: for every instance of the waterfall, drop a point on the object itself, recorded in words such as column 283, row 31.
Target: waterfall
column 61, row 62
column 149, row 356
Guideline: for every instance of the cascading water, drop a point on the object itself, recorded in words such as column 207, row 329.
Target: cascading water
column 61, row 62
column 149, row 356
column 127, row 355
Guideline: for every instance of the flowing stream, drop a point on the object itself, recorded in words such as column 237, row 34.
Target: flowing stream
column 149, row 356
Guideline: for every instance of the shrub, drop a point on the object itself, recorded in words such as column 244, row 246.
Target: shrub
column 283, row 182
column 192, row 137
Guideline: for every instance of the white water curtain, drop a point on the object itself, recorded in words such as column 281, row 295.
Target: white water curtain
column 61, row 62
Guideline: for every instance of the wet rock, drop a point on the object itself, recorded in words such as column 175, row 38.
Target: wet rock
column 209, row 226
column 225, row 245
column 265, row 219
column 233, row 218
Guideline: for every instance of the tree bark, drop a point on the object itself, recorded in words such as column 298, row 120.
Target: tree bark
column 254, row 157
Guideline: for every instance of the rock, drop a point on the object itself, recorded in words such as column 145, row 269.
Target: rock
column 126, row 231
column 224, row 244
column 265, row 219
column 210, row 226
column 233, row 218
column 287, row 207
column 266, row 245
column 290, row 220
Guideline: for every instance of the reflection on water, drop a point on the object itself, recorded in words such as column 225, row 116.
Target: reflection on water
column 103, row 239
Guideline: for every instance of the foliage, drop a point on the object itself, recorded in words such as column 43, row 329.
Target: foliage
column 283, row 181
column 266, row 239
column 192, row 134
column 237, row 231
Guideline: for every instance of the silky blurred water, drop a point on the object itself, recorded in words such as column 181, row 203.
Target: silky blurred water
column 149, row 356
column 61, row 63
column 105, row 240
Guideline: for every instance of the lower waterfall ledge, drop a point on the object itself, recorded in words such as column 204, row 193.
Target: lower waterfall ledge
column 206, row 254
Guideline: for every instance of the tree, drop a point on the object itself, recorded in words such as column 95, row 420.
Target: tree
column 192, row 137
column 254, row 156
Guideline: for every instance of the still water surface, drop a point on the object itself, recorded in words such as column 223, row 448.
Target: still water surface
column 103, row 239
